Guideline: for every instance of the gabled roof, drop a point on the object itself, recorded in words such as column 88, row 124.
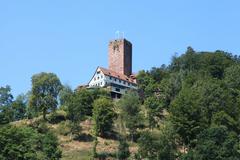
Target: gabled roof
column 114, row 74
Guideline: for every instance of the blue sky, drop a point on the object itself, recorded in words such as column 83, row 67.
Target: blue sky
column 70, row 37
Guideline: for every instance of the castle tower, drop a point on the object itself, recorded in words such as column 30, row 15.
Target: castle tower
column 120, row 56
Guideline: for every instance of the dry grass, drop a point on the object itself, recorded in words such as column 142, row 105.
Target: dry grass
column 80, row 150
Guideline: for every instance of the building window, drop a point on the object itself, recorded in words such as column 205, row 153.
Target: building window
column 97, row 77
column 117, row 89
column 120, row 81
column 115, row 79
column 128, row 84
column 101, row 76
column 110, row 78
column 124, row 82
column 101, row 83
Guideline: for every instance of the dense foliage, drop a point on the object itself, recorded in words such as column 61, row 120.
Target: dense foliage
column 129, row 106
column 26, row 143
column 198, row 94
column 103, row 116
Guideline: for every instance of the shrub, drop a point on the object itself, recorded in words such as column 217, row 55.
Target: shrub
column 57, row 117
column 26, row 143
column 39, row 125
column 123, row 149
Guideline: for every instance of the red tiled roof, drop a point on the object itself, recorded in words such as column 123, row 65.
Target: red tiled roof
column 114, row 74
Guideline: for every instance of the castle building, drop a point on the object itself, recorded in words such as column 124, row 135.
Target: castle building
column 118, row 78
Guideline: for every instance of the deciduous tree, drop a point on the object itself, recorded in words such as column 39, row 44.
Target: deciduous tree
column 103, row 116
column 44, row 94
column 129, row 106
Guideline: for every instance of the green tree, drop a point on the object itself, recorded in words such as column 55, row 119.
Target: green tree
column 154, row 111
column 75, row 112
column 44, row 94
column 103, row 116
column 187, row 116
column 123, row 149
column 158, row 145
column 79, row 105
column 223, row 119
column 19, row 107
column 219, row 103
column 95, row 93
column 65, row 94
column 169, row 88
column 148, row 81
column 86, row 99
column 6, row 98
column 23, row 143
column 50, row 147
column 232, row 77
column 129, row 106
column 215, row 143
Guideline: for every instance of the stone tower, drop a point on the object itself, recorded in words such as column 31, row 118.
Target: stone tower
column 120, row 56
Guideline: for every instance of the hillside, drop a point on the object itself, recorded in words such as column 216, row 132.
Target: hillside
column 80, row 148
column 189, row 109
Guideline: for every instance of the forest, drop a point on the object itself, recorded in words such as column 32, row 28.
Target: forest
column 186, row 110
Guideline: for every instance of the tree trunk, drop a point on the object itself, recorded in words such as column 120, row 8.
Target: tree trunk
column 44, row 115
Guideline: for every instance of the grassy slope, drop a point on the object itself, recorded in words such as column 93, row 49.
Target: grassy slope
column 80, row 149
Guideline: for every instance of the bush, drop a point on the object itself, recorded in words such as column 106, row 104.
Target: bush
column 123, row 149
column 39, row 125
column 26, row 143
column 50, row 146
column 158, row 145
column 57, row 117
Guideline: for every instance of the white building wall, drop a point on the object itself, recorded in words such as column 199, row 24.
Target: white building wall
column 100, row 80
